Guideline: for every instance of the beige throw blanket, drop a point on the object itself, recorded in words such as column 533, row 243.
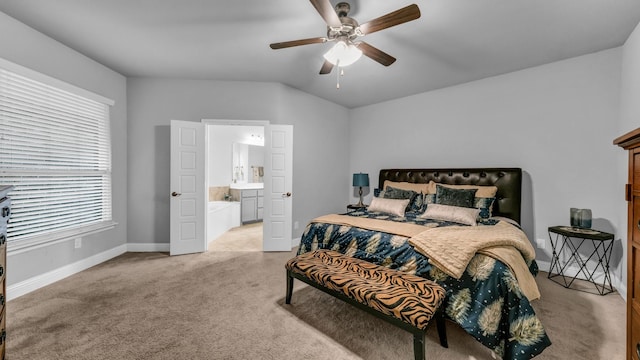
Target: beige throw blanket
column 451, row 248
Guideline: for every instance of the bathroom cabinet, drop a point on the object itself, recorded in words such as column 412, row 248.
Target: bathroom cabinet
column 251, row 204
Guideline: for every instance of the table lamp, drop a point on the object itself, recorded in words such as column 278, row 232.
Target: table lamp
column 360, row 180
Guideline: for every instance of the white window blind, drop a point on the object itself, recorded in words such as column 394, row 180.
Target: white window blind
column 55, row 149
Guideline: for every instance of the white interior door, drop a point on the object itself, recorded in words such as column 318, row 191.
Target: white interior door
column 278, row 185
column 188, row 184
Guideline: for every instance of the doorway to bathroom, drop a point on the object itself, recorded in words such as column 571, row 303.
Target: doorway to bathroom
column 190, row 171
column 235, row 183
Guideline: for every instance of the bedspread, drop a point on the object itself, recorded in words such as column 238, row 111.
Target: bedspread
column 451, row 248
column 486, row 301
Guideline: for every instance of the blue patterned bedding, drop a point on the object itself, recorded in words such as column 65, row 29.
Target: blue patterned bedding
column 486, row 301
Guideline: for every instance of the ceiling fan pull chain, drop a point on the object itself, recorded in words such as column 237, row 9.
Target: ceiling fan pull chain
column 338, row 73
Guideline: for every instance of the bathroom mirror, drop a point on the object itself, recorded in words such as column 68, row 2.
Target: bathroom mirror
column 247, row 163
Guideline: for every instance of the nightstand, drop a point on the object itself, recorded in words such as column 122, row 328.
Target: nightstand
column 356, row 207
column 566, row 241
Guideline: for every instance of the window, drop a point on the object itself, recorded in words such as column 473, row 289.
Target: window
column 55, row 149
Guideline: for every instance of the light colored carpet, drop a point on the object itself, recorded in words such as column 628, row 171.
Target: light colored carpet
column 230, row 305
column 242, row 238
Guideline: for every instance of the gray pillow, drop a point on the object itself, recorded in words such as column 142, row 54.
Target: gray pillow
column 394, row 193
column 455, row 197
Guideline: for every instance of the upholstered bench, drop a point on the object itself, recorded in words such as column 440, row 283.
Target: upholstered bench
column 405, row 300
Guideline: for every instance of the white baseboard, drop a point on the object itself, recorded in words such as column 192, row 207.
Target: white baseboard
column 148, row 247
column 36, row 282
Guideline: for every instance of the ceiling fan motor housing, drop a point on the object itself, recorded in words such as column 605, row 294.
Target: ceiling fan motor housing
column 349, row 27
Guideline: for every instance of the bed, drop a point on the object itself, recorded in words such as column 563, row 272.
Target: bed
column 488, row 289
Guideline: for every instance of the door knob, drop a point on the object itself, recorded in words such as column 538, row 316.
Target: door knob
column 288, row 194
column 175, row 194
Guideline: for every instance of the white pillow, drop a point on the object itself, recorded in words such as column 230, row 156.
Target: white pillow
column 390, row 206
column 457, row 214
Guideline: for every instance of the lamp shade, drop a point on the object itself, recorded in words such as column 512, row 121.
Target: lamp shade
column 360, row 179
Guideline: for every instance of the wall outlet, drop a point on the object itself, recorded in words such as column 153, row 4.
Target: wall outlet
column 541, row 243
column 295, row 225
column 78, row 243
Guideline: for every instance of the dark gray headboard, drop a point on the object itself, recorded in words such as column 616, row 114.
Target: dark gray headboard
column 508, row 181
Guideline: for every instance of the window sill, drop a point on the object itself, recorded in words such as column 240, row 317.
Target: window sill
column 36, row 242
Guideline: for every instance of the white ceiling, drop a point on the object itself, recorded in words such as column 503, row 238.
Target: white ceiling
column 455, row 41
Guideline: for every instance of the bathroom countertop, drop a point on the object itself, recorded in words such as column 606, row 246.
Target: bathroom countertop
column 247, row 186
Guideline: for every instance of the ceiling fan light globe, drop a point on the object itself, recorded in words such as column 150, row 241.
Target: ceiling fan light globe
column 342, row 54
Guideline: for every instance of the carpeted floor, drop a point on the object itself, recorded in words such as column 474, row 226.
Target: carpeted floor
column 230, row 305
column 242, row 238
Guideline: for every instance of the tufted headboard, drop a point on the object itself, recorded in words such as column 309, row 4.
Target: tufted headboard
column 508, row 181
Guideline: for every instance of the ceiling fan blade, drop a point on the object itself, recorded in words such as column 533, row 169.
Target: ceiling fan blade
column 326, row 68
column 376, row 54
column 327, row 12
column 397, row 17
column 286, row 44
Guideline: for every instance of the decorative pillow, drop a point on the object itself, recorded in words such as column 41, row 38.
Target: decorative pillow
column 431, row 187
column 461, row 215
column 485, row 205
column 417, row 204
column 393, row 193
column 483, row 190
column 377, row 192
column 455, row 197
column 417, row 187
column 390, row 206
column 428, row 199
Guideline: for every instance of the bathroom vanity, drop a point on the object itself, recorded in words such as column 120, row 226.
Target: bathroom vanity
column 251, row 197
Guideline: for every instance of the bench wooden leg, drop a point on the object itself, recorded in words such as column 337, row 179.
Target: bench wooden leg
column 442, row 329
column 418, row 345
column 289, row 288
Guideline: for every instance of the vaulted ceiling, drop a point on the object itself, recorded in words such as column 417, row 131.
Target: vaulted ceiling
column 453, row 42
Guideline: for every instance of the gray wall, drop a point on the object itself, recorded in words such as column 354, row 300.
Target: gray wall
column 556, row 122
column 320, row 145
column 27, row 47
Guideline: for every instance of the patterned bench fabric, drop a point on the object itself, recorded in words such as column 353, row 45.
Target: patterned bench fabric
column 406, row 297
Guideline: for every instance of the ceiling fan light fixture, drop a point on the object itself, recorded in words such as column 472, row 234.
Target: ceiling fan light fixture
column 343, row 54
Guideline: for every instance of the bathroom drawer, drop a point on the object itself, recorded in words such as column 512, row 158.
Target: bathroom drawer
column 249, row 193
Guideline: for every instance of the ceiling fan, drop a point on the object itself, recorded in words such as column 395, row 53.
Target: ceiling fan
column 345, row 31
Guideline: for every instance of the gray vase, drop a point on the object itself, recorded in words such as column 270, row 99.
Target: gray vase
column 585, row 218
column 574, row 217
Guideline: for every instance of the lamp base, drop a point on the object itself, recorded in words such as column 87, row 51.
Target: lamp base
column 360, row 203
